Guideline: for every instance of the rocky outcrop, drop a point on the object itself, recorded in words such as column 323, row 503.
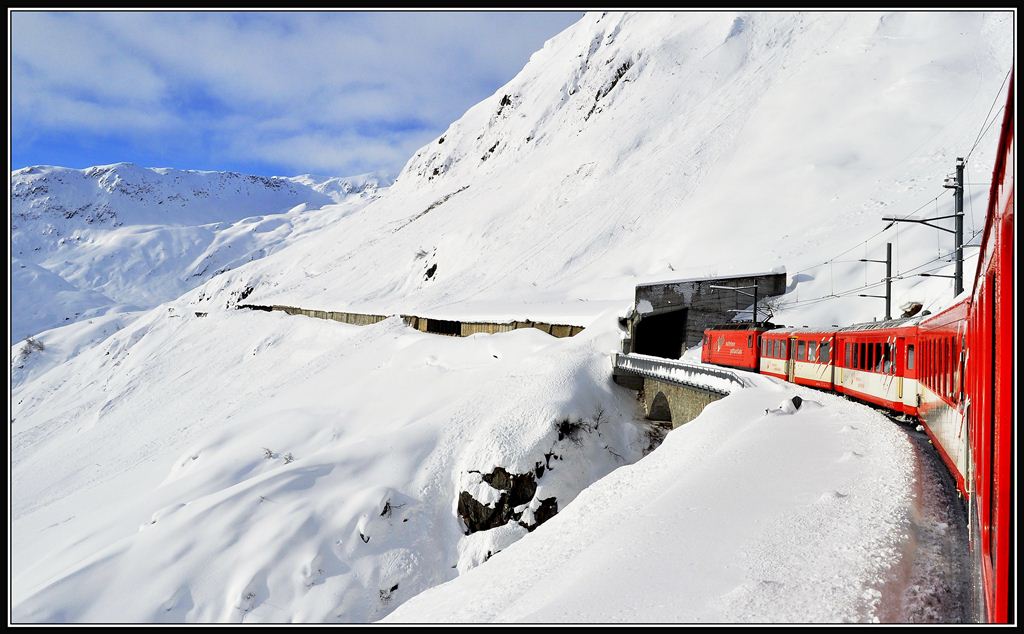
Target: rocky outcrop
column 517, row 491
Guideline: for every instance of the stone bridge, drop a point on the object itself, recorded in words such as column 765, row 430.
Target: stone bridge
column 672, row 391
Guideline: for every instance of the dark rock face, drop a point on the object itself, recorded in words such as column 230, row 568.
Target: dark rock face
column 548, row 508
column 521, row 487
column 480, row 517
column 517, row 489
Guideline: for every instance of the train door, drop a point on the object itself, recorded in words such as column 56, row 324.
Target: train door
column 908, row 362
column 897, row 365
column 791, row 360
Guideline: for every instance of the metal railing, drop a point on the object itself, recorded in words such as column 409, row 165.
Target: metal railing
column 717, row 380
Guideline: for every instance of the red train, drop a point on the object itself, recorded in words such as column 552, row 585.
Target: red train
column 953, row 371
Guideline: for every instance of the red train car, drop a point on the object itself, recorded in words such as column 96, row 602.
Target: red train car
column 989, row 388
column 877, row 362
column 775, row 354
column 733, row 345
column 943, row 342
column 800, row 356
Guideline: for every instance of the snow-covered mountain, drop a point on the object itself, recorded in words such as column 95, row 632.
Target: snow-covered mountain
column 98, row 240
column 665, row 145
column 342, row 188
column 203, row 463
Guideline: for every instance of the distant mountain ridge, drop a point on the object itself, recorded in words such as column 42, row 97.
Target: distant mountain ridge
column 87, row 241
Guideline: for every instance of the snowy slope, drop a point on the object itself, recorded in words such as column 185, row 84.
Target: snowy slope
column 647, row 146
column 632, row 147
column 167, row 495
column 87, row 241
column 774, row 518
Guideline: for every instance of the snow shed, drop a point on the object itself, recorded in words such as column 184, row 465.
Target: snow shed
column 671, row 316
column 444, row 327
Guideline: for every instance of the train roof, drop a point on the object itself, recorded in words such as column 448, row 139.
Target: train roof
column 883, row 325
column 747, row 325
column 903, row 322
column 801, row 330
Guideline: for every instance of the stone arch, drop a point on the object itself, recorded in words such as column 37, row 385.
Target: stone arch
column 660, row 409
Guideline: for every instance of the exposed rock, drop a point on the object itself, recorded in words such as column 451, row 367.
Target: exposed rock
column 480, row 517
column 548, row 508
column 517, row 490
column 521, row 487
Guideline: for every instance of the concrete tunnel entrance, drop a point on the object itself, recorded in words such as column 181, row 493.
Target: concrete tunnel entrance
column 661, row 335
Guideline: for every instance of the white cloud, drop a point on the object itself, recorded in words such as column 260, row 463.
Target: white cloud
column 383, row 80
column 326, row 152
column 72, row 56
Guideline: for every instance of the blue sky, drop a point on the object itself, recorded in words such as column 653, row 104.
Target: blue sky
column 265, row 93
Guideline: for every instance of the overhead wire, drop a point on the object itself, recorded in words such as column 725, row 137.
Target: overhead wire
column 985, row 127
column 987, row 123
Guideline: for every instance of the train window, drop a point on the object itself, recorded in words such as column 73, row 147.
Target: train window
column 952, row 365
column 812, row 351
column 945, row 367
column 910, row 357
column 750, row 341
column 877, row 358
column 926, row 360
column 958, row 379
column 801, row 350
column 887, row 354
column 778, row 348
column 949, row 367
column 848, row 357
column 824, row 352
column 995, row 333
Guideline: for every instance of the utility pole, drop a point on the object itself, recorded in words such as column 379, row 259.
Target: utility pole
column 958, row 198
column 742, row 291
column 888, row 280
column 957, row 185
